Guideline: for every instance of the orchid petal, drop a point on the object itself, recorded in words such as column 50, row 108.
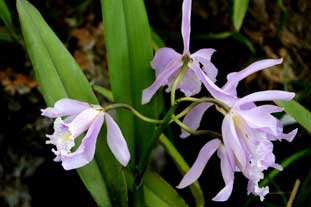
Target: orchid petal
column 194, row 117
column 162, row 58
column 231, row 140
column 64, row 107
column 85, row 153
column 161, row 80
column 204, row 57
column 185, row 25
column 190, row 84
column 197, row 168
column 205, row 54
column 288, row 137
column 116, row 141
column 234, row 78
column 215, row 91
column 268, row 95
column 82, row 121
column 227, row 174
column 260, row 117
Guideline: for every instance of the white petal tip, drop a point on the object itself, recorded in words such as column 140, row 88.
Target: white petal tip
column 145, row 97
column 180, row 186
column 124, row 162
column 184, row 135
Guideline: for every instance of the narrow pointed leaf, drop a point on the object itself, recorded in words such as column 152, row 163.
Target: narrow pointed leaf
column 5, row 14
column 183, row 168
column 298, row 112
column 129, row 52
column 238, row 13
column 59, row 76
column 159, row 193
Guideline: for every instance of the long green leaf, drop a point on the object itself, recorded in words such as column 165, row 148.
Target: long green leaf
column 238, row 13
column 129, row 52
column 242, row 39
column 59, row 76
column 304, row 195
column 298, row 112
column 5, row 14
column 183, row 168
column 159, row 193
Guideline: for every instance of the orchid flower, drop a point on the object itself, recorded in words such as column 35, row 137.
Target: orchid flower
column 227, row 94
column 248, row 131
column 81, row 117
column 167, row 63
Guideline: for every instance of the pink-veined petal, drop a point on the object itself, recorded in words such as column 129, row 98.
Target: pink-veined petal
column 162, row 58
column 269, row 95
column 204, row 57
column 193, row 118
column 85, row 153
column 197, row 168
column 232, row 141
column 234, row 78
column 116, row 141
column 215, row 91
column 161, row 80
column 65, row 107
column 227, row 174
column 185, row 25
column 190, row 84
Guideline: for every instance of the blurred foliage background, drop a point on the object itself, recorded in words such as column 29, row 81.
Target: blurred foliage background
column 270, row 29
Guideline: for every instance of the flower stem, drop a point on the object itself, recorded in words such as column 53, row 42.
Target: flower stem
column 179, row 77
column 195, row 132
column 186, row 110
column 134, row 111
column 182, row 167
column 207, row 99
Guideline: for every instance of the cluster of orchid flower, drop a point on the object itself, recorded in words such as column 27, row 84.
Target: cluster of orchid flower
column 245, row 144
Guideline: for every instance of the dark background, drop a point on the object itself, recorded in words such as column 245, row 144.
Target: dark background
column 28, row 174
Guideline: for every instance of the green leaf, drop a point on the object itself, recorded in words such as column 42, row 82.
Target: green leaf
column 304, row 195
column 183, row 168
column 129, row 52
column 104, row 92
column 157, row 42
column 298, row 112
column 159, row 193
column 221, row 35
column 5, row 14
column 59, row 76
column 239, row 12
column 242, row 39
column 6, row 37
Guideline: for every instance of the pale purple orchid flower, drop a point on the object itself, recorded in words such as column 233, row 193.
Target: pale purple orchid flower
column 167, row 63
column 81, row 117
column 247, row 134
column 227, row 94
column 248, row 131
